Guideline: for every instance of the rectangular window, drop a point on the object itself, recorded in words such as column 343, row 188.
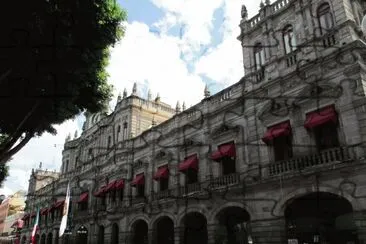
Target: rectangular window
column 191, row 176
column 228, row 166
column 140, row 190
column 326, row 136
column 164, row 184
column 83, row 206
column 121, row 194
column 109, row 142
column 102, row 201
column 282, row 147
column 258, row 61
column 112, row 196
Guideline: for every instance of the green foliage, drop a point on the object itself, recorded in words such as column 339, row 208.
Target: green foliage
column 54, row 65
column 4, row 172
column 4, row 169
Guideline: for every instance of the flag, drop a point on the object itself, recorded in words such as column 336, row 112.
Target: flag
column 65, row 212
column 35, row 228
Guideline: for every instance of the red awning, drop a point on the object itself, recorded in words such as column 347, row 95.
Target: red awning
column 58, row 204
column 225, row 150
column 139, row 180
column 44, row 211
column 111, row 186
column 163, row 172
column 190, row 162
column 319, row 117
column 83, row 197
column 282, row 129
column 100, row 192
column 120, row 184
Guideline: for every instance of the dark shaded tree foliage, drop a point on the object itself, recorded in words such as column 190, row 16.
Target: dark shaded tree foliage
column 53, row 59
column 4, row 169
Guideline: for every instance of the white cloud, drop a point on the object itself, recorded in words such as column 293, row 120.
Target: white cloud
column 195, row 16
column 46, row 149
column 145, row 57
column 6, row 191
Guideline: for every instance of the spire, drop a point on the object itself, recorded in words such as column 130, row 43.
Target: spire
column 157, row 99
column 125, row 93
column 149, row 95
column 206, row 92
column 177, row 107
column 119, row 98
column 76, row 134
column 268, row 2
column 261, row 5
column 134, row 89
column 244, row 12
column 184, row 106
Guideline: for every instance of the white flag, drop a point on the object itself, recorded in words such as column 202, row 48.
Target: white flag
column 65, row 211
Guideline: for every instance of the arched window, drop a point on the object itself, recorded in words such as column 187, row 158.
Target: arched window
column 258, row 56
column 109, row 142
column 67, row 166
column 325, row 18
column 124, row 133
column 289, row 39
column 118, row 131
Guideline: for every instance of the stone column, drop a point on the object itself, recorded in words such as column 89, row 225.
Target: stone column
column 211, row 228
column 150, row 236
column 360, row 222
column 269, row 231
column 177, row 232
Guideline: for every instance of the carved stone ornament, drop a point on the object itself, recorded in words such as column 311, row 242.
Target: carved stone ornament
column 224, row 129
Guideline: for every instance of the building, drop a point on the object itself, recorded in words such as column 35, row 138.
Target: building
column 278, row 157
column 11, row 209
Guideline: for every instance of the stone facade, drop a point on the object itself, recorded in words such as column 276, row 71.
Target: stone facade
column 249, row 184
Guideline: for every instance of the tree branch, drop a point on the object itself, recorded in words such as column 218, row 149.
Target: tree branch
column 11, row 140
column 4, row 157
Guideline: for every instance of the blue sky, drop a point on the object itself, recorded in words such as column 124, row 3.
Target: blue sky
column 172, row 47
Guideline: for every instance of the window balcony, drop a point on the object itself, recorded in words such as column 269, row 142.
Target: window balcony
column 225, row 181
column 328, row 39
column 101, row 207
column 81, row 214
column 166, row 194
column 138, row 200
column 291, row 59
column 190, row 189
column 330, row 157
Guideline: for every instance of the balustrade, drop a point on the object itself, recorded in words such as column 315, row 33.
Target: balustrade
column 330, row 156
column 190, row 189
column 225, row 180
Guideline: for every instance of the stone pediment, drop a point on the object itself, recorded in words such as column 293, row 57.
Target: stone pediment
column 139, row 164
column 277, row 107
column 320, row 90
column 189, row 142
column 161, row 155
column 224, row 129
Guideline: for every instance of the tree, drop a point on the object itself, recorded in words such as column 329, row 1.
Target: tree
column 4, row 169
column 54, row 55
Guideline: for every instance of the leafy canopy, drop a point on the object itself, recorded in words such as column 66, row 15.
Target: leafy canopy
column 54, row 55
